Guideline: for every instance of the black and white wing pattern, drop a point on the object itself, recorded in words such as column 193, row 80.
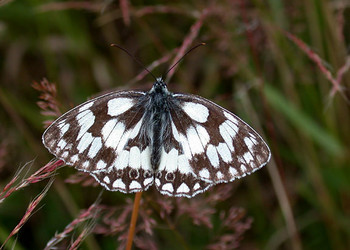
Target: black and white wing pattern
column 129, row 140
column 102, row 137
column 211, row 146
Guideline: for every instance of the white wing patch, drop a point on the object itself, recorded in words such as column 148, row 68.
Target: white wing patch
column 101, row 165
column 225, row 153
column 121, row 161
column 203, row 135
column 213, row 156
column 86, row 106
column 85, row 142
column 196, row 111
column 183, row 189
column 118, row 106
column 85, row 119
column 113, row 136
column 194, row 141
column 135, row 158
column 96, row 146
column 64, row 128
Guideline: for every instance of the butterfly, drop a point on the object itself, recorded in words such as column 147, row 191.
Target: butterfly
column 181, row 143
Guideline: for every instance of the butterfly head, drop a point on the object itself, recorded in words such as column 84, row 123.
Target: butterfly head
column 159, row 86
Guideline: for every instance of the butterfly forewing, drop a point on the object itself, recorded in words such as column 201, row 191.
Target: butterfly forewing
column 103, row 135
column 211, row 145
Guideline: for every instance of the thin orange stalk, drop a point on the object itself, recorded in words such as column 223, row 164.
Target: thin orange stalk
column 134, row 215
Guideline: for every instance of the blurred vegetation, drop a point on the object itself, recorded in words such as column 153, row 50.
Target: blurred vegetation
column 292, row 87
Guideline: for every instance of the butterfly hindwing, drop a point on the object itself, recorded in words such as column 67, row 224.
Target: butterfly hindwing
column 126, row 180
column 179, row 184
column 131, row 170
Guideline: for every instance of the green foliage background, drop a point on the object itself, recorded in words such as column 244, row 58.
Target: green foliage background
column 249, row 66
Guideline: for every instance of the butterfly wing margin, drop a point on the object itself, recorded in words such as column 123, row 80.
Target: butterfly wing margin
column 213, row 144
column 102, row 137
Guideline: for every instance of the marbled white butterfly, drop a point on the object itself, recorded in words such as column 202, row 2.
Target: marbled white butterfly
column 130, row 140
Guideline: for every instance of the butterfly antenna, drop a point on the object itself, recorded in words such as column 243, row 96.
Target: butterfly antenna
column 135, row 59
column 193, row 48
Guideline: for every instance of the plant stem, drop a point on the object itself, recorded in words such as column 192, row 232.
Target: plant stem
column 134, row 215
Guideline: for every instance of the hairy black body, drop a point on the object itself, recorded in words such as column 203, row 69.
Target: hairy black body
column 157, row 118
